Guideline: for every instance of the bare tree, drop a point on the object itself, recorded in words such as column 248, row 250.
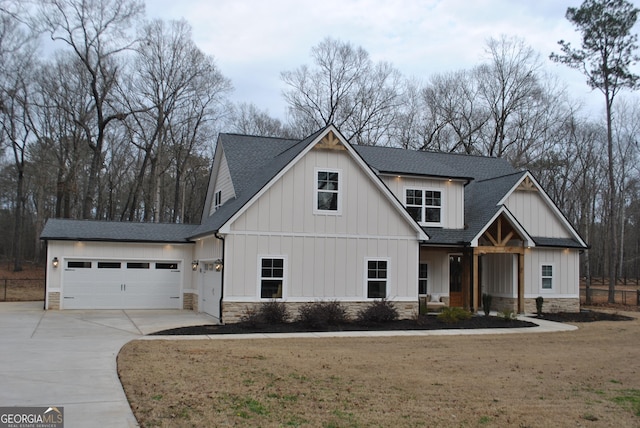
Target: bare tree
column 605, row 56
column 248, row 119
column 178, row 90
column 97, row 32
column 17, row 60
column 344, row 88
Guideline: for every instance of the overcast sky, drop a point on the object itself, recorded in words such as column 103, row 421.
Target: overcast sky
column 254, row 40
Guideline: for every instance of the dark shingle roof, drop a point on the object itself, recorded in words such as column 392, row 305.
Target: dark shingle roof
column 447, row 165
column 556, row 242
column 252, row 161
column 93, row 230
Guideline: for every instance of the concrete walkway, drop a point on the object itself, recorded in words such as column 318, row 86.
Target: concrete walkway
column 68, row 358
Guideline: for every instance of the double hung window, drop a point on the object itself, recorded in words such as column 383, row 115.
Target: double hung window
column 377, row 279
column 425, row 206
column 327, row 191
column 271, row 277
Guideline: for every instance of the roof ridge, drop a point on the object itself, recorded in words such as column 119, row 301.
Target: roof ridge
column 501, row 176
column 123, row 221
column 258, row 136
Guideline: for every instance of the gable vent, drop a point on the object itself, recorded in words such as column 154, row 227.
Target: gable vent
column 330, row 142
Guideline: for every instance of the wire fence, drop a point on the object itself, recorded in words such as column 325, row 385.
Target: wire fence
column 629, row 295
column 21, row 290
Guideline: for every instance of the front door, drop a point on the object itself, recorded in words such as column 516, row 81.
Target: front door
column 211, row 289
column 455, row 280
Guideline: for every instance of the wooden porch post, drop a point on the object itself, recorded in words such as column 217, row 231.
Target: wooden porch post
column 521, row 282
column 475, row 279
column 466, row 279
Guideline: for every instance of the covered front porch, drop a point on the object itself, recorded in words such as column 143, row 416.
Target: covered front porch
column 493, row 263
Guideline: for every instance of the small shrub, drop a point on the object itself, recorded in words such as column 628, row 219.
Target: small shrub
column 379, row 311
column 320, row 314
column 251, row 316
column 486, row 303
column 274, row 312
column 271, row 312
column 539, row 303
column 508, row 315
column 453, row 314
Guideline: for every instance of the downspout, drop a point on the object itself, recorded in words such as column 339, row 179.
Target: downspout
column 46, row 272
column 222, row 276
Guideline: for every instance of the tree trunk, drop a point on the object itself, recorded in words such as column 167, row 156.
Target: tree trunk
column 612, row 205
column 17, row 228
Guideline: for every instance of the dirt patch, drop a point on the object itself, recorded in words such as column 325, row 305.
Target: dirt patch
column 520, row 379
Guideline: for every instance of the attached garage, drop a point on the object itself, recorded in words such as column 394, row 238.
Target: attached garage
column 117, row 265
column 121, row 284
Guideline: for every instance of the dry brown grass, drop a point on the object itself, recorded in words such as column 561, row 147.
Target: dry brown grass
column 588, row 377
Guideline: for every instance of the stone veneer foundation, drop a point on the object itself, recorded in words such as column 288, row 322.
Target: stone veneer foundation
column 232, row 312
column 190, row 301
column 54, row 300
column 550, row 305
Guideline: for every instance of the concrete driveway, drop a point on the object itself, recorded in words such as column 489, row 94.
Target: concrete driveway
column 68, row 358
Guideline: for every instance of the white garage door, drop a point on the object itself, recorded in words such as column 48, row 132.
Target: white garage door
column 125, row 284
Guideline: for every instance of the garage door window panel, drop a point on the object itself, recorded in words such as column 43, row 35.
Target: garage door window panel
column 109, row 265
column 136, row 265
column 78, row 265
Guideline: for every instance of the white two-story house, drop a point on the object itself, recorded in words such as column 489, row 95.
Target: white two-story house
column 320, row 219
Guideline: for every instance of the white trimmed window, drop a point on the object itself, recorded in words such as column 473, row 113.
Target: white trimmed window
column 424, row 205
column 271, row 277
column 328, row 186
column 377, row 279
column 423, row 276
column 217, row 200
column 546, row 275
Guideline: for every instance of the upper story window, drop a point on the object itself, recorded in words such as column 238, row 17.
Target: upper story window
column 425, row 206
column 328, row 186
column 217, row 200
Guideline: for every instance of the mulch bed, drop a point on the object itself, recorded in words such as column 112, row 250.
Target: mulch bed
column 424, row 322
column 585, row 316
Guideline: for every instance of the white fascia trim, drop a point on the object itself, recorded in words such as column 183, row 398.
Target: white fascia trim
column 549, row 203
column 515, row 223
column 320, row 235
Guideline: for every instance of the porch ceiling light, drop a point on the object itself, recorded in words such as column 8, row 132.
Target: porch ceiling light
column 54, row 262
column 218, row 265
column 194, row 265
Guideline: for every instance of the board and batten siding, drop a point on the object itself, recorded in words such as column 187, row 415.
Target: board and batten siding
column 535, row 215
column 452, row 196
column 437, row 270
column 566, row 275
column 82, row 250
column 324, row 253
column 500, row 274
column 319, row 268
column 209, row 248
column 220, row 181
